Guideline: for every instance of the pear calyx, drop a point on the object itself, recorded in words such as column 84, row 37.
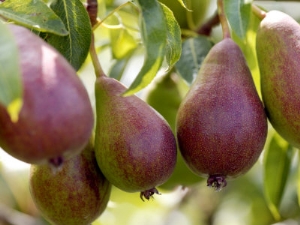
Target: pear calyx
column 218, row 182
column 148, row 193
column 56, row 162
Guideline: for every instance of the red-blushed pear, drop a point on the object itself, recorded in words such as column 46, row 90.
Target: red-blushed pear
column 221, row 123
column 77, row 194
column 56, row 119
column 165, row 95
column 135, row 147
column 278, row 54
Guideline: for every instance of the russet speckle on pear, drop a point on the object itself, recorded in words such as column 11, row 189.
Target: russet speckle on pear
column 56, row 119
column 278, row 54
column 135, row 147
column 77, row 194
column 221, row 123
column 165, row 95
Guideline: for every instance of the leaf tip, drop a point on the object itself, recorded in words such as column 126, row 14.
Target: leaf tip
column 14, row 109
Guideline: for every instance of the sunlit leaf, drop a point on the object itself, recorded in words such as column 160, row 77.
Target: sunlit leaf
column 277, row 161
column 194, row 50
column 130, row 20
column 34, row 14
column 122, row 42
column 184, row 4
column 14, row 108
column 173, row 37
column 10, row 73
column 238, row 14
column 74, row 46
column 153, row 29
column 101, row 8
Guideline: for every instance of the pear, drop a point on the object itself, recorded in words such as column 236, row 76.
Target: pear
column 221, row 123
column 278, row 54
column 77, row 194
column 165, row 95
column 135, row 147
column 190, row 17
column 56, row 119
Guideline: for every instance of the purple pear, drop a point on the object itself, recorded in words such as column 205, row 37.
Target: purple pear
column 77, row 194
column 221, row 123
column 278, row 54
column 135, row 147
column 56, row 119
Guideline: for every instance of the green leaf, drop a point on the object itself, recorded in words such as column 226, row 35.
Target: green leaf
column 75, row 46
column 247, row 45
column 34, row 14
column 117, row 69
column 277, row 161
column 154, row 34
column 122, row 42
column 194, row 50
column 10, row 73
column 238, row 14
column 184, row 4
column 173, row 37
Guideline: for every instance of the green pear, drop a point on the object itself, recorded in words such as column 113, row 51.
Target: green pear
column 221, row 122
column 56, row 119
column 192, row 17
column 135, row 147
column 76, row 194
column 278, row 54
column 165, row 96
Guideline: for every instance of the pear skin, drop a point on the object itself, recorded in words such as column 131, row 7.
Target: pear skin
column 135, row 147
column 76, row 194
column 56, row 119
column 165, row 97
column 221, row 123
column 278, row 54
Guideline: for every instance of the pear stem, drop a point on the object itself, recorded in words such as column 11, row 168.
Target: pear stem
column 223, row 19
column 92, row 9
column 96, row 23
column 93, row 53
column 261, row 14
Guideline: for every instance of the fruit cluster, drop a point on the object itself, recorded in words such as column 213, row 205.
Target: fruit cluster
column 54, row 126
column 133, row 145
column 221, row 123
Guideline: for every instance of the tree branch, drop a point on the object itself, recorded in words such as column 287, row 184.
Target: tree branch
column 207, row 27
